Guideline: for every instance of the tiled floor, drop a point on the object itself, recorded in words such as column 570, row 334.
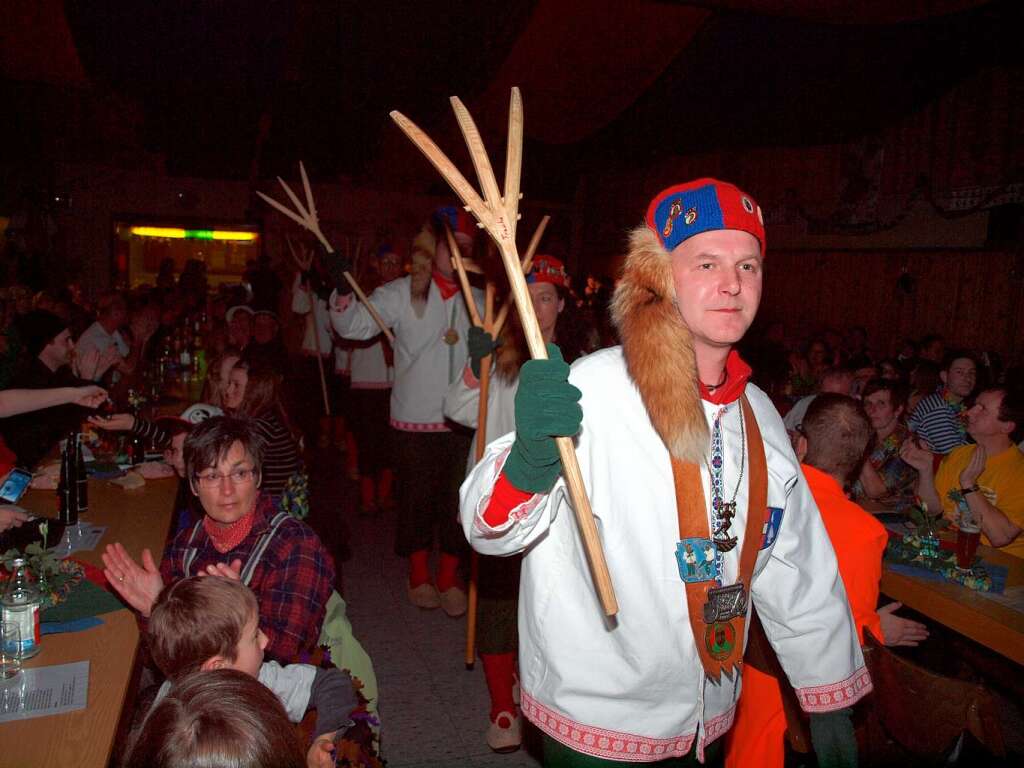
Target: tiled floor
column 434, row 710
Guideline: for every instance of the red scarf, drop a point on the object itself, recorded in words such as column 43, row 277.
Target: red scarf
column 227, row 537
column 737, row 373
column 446, row 285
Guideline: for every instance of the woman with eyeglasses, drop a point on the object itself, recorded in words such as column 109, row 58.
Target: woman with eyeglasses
column 241, row 536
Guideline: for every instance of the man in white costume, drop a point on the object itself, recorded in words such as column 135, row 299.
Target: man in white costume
column 666, row 423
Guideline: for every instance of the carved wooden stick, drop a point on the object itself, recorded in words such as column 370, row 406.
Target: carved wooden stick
column 499, row 321
column 498, row 215
column 304, row 263
column 306, row 217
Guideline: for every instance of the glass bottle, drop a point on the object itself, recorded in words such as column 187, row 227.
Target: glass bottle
column 21, row 601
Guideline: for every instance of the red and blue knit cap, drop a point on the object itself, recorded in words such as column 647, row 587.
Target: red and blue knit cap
column 548, row 269
column 704, row 205
column 457, row 220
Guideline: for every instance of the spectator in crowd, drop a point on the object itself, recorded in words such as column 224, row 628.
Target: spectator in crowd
column 266, row 348
column 104, row 334
column 889, row 369
column 856, row 349
column 836, row 380
column 254, row 392
column 835, row 434
column 239, row 319
column 239, row 536
column 48, row 364
column 218, row 719
column 219, row 375
column 924, row 380
column 932, row 348
column 982, row 483
column 939, row 417
column 884, row 473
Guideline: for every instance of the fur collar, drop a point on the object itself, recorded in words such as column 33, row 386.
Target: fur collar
column 658, row 348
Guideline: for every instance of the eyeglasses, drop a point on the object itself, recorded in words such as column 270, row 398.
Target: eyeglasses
column 237, row 477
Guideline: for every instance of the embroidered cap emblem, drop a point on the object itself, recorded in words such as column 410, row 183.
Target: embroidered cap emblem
column 747, row 205
column 673, row 213
column 691, row 216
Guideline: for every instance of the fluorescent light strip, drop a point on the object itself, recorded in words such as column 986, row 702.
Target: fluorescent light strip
column 176, row 233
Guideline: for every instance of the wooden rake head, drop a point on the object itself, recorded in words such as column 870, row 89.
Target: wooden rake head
column 303, row 215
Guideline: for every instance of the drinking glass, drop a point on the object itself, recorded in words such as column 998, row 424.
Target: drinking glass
column 10, row 648
column 967, row 537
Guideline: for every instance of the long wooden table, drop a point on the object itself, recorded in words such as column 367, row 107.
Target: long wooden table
column 138, row 518
column 966, row 611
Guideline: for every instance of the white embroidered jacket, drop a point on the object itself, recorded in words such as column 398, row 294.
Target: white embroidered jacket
column 425, row 365
column 633, row 688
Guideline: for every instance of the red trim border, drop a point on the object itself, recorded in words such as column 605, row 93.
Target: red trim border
column 828, row 698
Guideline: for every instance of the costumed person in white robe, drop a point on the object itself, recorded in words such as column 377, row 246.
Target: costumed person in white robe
column 429, row 319
column 498, row 577
column 676, row 449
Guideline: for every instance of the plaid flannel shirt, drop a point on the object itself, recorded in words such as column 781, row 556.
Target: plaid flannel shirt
column 292, row 581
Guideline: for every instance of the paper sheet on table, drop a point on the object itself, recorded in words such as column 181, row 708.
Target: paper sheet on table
column 81, row 537
column 45, row 691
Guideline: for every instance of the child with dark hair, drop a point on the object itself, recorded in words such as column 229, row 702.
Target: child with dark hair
column 208, row 623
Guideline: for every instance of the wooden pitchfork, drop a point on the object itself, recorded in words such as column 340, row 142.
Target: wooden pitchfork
column 306, row 217
column 304, row 262
column 498, row 215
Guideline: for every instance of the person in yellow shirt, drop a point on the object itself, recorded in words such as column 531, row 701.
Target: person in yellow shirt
column 983, row 481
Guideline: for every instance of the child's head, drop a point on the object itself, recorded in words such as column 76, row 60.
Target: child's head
column 206, row 622
column 218, row 719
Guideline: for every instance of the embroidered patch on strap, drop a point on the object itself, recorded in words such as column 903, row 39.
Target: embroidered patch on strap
column 826, row 698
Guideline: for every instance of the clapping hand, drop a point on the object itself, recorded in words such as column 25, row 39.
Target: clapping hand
column 900, row 631
column 970, row 474
column 140, row 586
column 225, row 571
column 321, row 753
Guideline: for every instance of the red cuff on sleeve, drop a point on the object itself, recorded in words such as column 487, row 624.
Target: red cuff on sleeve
column 504, row 499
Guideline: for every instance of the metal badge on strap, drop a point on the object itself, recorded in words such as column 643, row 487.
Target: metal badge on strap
column 718, row 613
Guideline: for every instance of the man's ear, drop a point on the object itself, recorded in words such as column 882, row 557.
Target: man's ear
column 192, row 486
column 801, row 447
column 214, row 662
column 942, row 376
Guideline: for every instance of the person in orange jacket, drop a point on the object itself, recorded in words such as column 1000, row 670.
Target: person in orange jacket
column 831, row 445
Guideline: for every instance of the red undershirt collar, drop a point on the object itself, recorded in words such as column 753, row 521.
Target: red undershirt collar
column 737, row 373
column 446, row 285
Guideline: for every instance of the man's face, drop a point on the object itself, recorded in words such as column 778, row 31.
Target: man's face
column 547, row 306
column 249, row 651
column 718, row 277
column 880, row 410
column 59, row 350
column 983, row 418
column 241, row 325
column 389, row 267
column 960, row 377
column 443, row 255
column 228, row 491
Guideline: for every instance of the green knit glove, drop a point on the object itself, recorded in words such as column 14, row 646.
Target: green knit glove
column 547, row 406
column 480, row 344
column 833, row 739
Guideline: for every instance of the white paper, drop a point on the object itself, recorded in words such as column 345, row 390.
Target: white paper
column 78, row 538
column 42, row 691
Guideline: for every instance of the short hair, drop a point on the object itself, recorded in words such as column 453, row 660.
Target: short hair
column 110, row 301
column 838, row 432
column 217, row 719
column 210, row 442
column 1011, row 408
column 959, row 354
column 835, row 373
column 198, row 618
column 897, row 392
column 173, row 426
